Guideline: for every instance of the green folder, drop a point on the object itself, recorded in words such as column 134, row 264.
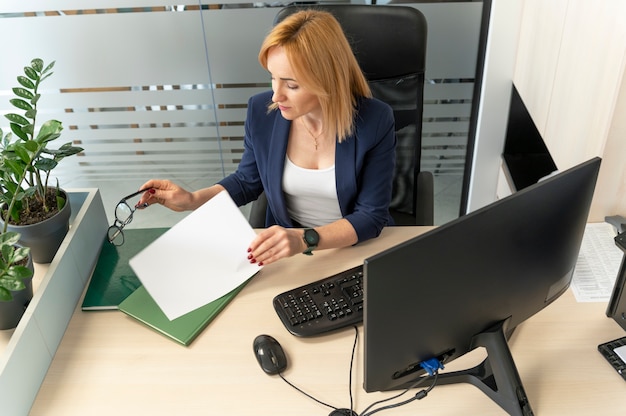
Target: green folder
column 183, row 329
column 113, row 279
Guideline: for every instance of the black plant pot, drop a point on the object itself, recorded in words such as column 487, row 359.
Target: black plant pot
column 12, row 311
column 45, row 237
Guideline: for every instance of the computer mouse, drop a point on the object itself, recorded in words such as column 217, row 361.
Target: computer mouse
column 269, row 354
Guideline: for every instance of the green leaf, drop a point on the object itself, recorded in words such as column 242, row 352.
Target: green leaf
column 15, row 214
column 31, row 114
column 21, row 272
column 18, row 131
column 49, row 130
column 7, row 254
column 11, row 187
column 25, row 152
column 31, row 73
column 37, row 64
column 31, row 146
column 29, row 129
column 47, row 138
column 5, row 295
column 17, row 119
column 45, row 76
column 45, row 164
column 23, row 92
column 12, row 284
column 16, row 167
column 49, row 67
column 60, row 201
column 21, row 104
column 21, row 253
column 25, row 82
column 9, row 238
column 64, row 151
column 30, row 192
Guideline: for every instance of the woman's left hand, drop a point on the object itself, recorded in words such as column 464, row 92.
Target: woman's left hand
column 275, row 243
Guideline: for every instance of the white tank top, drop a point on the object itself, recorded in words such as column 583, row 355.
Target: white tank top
column 311, row 195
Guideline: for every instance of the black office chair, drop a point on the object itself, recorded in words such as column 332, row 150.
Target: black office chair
column 389, row 43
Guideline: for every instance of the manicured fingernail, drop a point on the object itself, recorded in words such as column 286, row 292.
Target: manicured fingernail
column 249, row 250
column 260, row 263
column 152, row 190
column 249, row 256
column 253, row 261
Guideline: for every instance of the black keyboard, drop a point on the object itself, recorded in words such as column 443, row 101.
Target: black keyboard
column 611, row 351
column 325, row 305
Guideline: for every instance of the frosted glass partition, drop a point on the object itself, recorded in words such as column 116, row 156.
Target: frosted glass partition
column 135, row 90
column 154, row 90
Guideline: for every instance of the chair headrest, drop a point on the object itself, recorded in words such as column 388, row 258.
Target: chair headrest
column 388, row 41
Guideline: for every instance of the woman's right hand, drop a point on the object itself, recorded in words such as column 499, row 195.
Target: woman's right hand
column 166, row 193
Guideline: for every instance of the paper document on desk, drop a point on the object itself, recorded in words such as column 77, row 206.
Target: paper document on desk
column 198, row 260
column 597, row 265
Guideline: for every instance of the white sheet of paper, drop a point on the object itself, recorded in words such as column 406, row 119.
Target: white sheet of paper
column 597, row 265
column 198, row 260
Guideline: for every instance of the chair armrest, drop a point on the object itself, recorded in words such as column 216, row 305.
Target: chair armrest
column 425, row 199
column 258, row 212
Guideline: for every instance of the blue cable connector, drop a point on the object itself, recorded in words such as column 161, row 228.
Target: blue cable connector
column 431, row 366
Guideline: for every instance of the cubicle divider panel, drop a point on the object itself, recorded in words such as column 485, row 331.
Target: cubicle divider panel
column 24, row 361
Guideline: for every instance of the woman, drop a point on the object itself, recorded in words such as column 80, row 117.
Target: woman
column 318, row 144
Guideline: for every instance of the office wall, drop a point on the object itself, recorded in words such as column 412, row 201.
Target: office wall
column 570, row 72
column 610, row 197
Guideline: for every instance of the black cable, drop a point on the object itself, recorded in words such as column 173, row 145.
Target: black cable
column 414, row 385
column 418, row 396
column 356, row 337
column 305, row 393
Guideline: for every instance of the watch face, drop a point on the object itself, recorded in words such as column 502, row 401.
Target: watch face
column 311, row 237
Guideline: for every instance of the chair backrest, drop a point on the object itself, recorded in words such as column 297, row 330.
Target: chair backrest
column 389, row 43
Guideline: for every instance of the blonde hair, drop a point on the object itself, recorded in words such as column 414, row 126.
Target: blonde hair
column 323, row 63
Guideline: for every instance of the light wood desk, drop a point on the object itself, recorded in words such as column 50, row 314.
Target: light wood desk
column 109, row 364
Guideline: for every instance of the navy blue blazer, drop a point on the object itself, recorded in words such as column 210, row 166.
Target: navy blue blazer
column 364, row 165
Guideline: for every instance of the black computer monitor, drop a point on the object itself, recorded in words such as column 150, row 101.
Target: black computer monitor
column 616, row 308
column 526, row 156
column 470, row 282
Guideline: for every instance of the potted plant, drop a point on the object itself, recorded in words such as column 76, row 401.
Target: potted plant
column 16, row 273
column 30, row 205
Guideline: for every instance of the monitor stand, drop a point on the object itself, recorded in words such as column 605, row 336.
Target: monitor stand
column 497, row 375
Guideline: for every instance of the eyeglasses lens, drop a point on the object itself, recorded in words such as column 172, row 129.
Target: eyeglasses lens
column 115, row 235
column 123, row 213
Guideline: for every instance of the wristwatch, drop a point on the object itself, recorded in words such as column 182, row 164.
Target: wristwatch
column 312, row 239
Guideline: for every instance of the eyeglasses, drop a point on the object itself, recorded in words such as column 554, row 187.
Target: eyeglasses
column 123, row 217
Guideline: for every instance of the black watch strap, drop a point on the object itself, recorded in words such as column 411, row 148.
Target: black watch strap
column 311, row 239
